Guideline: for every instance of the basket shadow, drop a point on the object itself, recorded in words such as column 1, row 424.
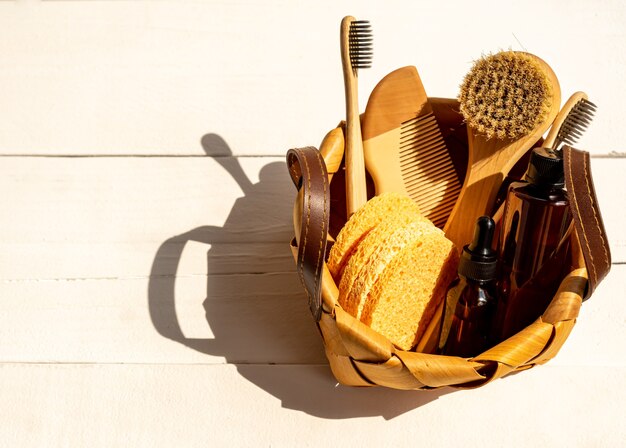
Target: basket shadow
column 255, row 306
column 316, row 392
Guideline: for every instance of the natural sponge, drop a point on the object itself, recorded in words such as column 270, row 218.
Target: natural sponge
column 505, row 95
column 407, row 293
column 373, row 254
column 364, row 220
column 396, row 268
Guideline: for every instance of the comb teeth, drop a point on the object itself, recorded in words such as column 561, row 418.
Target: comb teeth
column 427, row 171
column 361, row 43
column 575, row 123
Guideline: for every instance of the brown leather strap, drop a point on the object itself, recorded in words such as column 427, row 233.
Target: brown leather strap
column 587, row 217
column 308, row 172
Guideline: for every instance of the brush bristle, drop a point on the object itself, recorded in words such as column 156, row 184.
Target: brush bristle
column 361, row 43
column 575, row 123
column 505, row 95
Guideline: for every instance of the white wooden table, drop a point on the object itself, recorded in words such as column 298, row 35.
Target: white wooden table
column 147, row 293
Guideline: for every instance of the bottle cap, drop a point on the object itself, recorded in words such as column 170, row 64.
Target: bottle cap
column 545, row 168
column 478, row 260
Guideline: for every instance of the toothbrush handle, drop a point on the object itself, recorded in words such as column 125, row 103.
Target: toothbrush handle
column 356, row 192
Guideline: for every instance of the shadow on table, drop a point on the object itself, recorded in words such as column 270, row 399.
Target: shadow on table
column 249, row 313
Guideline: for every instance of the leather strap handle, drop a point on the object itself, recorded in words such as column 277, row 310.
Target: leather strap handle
column 586, row 216
column 308, row 172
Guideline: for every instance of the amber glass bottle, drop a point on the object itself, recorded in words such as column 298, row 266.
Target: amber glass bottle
column 470, row 301
column 532, row 249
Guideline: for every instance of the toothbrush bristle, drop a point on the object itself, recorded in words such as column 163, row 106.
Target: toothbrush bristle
column 361, row 44
column 575, row 123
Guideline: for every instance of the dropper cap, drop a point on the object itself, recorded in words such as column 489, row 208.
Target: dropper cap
column 478, row 260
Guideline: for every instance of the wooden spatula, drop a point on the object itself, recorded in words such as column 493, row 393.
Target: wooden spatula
column 403, row 146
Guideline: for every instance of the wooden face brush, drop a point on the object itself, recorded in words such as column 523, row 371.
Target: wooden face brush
column 356, row 53
column 404, row 148
column 508, row 101
column 573, row 119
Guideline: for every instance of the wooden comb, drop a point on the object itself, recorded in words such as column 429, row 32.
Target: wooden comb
column 403, row 147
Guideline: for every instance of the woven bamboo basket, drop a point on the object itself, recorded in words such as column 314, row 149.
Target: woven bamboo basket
column 359, row 356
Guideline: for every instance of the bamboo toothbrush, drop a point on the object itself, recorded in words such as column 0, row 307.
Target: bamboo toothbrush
column 571, row 121
column 508, row 100
column 356, row 53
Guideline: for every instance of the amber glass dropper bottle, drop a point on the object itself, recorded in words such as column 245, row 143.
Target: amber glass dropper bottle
column 470, row 301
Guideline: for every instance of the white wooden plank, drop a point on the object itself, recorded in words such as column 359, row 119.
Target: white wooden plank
column 249, row 318
column 111, row 217
column 597, row 339
column 230, row 318
column 156, row 77
column 610, row 183
column 135, row 200
column 68, row 218
column 193, row 406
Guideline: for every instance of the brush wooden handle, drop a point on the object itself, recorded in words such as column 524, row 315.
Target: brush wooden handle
column 489, row 161
column 560, row 118
column 356, row 190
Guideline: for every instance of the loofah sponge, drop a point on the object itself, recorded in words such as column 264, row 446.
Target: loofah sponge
column 505, row 95
column 373, row 254
column 364, row 220
column 393, row 266
column 407, row 293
